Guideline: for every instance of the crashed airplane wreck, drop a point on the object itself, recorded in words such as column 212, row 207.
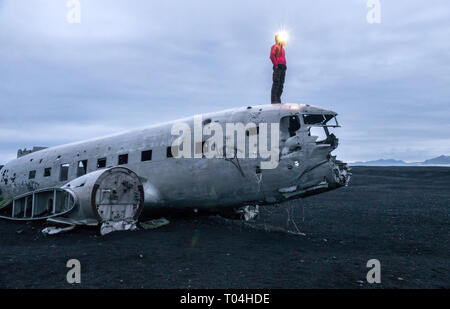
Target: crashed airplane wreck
column 110, row 181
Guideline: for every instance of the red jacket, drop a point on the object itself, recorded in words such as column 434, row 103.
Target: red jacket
column 277, row 55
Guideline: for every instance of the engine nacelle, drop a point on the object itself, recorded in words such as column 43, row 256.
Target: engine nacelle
column 109, row 195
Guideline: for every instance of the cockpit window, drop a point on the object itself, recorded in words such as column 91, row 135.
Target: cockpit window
column 320, row 128
column 317, row 119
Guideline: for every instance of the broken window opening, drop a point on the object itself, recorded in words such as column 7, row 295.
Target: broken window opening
column 101, row 163
column 210, row 149
column 64, row 172
column 123, row 159
column 294, row 125
column 213, row 147
column 318, row 119
column 199, row 147
column 322, row 133
column 252, row 131
column 289, row 125
column 47, row 172
column 169, row 152
column 82, row 168
column 146, row 155
column 32, row 175
column 49, row 205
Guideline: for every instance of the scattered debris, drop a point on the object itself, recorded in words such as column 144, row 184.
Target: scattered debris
column 263, row 226
column 291, row 221
column 248, row 212
column 272, row 228
column 154, row 224
column 112, row 226
column 52, row 230
column 288, row 190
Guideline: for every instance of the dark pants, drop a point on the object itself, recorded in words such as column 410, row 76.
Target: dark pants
column 279, row 73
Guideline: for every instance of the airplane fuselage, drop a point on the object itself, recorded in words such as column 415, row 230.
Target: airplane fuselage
column 305, row 165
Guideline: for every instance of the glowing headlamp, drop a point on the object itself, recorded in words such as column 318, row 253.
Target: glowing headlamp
column 282, row 36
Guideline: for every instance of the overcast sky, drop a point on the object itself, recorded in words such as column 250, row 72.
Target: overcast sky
column 134, row 63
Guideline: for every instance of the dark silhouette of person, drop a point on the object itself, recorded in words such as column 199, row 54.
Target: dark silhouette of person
column 277, row 55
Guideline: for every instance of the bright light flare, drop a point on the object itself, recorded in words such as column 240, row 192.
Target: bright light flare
column 282, row 36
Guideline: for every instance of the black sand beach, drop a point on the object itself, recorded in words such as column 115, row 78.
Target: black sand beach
column 398, row 215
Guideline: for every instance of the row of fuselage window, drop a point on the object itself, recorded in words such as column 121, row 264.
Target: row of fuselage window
column 101, row 163
column 146, row 155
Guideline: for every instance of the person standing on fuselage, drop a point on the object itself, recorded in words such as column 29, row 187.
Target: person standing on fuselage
column 277, row 55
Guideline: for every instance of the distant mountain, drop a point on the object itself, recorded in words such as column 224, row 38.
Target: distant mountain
column 437, row 161
column 381, row 162
column 441, row 160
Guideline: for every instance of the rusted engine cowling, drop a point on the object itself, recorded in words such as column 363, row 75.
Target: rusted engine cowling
column 109, row 195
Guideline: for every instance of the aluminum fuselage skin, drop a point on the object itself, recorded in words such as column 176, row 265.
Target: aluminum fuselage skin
column 194, row 182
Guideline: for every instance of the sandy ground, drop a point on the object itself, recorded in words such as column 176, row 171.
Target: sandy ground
column 398, row 215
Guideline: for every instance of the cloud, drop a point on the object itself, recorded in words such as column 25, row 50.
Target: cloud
column 133, row 63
